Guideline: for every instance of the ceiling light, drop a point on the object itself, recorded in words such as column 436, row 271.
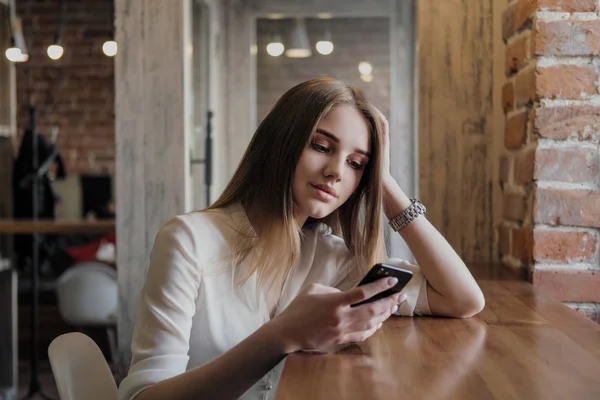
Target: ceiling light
column 18, row 50
column 325, row 46
column 299, row 43
column 55, row 51
column 14, row 54
column 365, row 68
column 275, row 48
column 110, row 48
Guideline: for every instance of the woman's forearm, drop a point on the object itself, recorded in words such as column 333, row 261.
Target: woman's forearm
column 455, row 291
column 227, row 376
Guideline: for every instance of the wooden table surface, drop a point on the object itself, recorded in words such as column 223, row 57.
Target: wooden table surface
column 10, row 226
column 523, row 345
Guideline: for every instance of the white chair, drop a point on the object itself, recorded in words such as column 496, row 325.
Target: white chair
column 87, row 296
column 80, row 370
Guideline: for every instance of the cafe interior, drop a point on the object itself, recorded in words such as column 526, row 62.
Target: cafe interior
column 116, row 115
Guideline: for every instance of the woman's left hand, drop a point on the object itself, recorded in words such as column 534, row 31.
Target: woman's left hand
column 394, row 198
column 385, row 143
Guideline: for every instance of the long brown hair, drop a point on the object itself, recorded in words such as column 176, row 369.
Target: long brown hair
column 263, row 182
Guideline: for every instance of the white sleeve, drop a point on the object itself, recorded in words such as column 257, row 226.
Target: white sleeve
column 160, row 341
column 416, row 291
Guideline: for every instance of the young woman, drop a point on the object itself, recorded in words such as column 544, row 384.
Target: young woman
column 271, row 267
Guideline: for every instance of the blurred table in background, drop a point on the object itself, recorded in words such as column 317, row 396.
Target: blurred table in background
column 8, row 291
column 10, row 226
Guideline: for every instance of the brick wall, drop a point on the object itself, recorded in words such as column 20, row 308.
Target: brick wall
column 550, row 170
column 75, row 93
column 354, row 39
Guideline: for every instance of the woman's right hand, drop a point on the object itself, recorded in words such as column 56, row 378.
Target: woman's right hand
column 322, row 316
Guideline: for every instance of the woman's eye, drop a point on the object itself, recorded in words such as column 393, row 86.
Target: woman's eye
column 319, row 147
column 355, row 164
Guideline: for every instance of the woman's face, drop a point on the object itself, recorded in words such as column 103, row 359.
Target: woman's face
column 332, row 164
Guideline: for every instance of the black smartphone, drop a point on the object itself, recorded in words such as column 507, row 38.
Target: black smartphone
column 385, row 271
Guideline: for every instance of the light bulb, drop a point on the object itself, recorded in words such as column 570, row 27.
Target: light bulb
column 275, row 49
column 14, row 54
column 55, row 51
column 324, row 47
column 365, row 68
column 366, row 77
column 110, row 48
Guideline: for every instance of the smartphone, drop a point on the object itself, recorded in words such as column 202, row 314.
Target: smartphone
column 385, row 271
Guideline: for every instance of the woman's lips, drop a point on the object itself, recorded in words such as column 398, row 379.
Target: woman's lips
column 324, row 193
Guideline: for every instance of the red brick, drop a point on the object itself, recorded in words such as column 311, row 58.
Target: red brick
column 568, row 122
column 524, row 11
column 508, row 96
column 567, row 207
column 516, row 130
column 566, row 38
column 566, row 82
column 564, row 247
column 514, row 206
column 504, row 239
column 525, row 86
column 522, row 243
column 523, row 167
column 518, row 53
column 574, row 163
column 508, row 23
column 82, row 106
column 566, row 285
column 505, row 168
column 567, row 5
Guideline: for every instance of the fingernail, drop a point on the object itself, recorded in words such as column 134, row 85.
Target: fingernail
column 402, row 299
column 392, row 281
column 394, row 309
column 380, row 325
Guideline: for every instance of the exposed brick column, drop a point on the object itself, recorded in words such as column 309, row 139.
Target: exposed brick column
column 550, row 170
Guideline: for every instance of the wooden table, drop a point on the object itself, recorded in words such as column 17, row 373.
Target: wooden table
column 11, row 226
column 523, row 345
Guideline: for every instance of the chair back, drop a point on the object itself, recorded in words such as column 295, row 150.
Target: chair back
column 80, row 370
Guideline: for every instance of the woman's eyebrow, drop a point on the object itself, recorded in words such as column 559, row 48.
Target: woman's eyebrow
column 337, row 140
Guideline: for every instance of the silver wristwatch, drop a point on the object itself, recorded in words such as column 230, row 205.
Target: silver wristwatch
column 407, row 216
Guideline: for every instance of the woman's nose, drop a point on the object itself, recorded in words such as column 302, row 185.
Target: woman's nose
column 334, row 169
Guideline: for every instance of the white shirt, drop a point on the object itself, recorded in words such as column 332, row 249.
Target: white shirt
column 191, row 310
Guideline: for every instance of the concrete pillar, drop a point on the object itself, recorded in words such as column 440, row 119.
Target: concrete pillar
column 153, row 88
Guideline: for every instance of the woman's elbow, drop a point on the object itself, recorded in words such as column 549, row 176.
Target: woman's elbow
column 470, row 306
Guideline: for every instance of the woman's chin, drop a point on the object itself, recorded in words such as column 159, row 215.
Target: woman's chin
column 319, row 212
column 315, row 208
